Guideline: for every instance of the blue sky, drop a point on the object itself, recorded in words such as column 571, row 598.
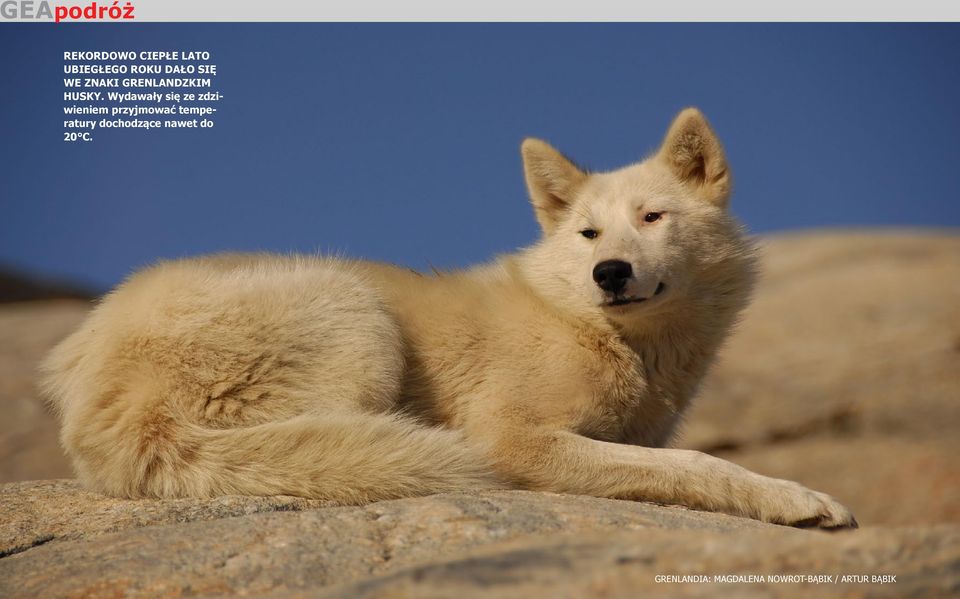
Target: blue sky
column 399, row 142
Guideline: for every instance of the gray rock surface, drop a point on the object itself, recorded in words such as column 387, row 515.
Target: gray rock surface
column 60, row 541
column 924, row 563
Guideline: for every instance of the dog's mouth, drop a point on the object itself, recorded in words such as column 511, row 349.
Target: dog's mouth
column 623, row 301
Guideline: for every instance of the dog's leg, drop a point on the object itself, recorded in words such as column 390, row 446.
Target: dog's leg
column 569, row 463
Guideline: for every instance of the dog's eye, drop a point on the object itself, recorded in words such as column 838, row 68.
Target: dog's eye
column 652, row 217
column 589, row 233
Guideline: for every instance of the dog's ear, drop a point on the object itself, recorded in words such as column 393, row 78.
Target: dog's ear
column 694, row 154
column 552, row 181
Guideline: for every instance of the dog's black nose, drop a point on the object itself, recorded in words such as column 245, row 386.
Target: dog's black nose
column 612, row 275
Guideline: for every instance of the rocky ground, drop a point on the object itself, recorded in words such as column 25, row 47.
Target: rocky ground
column 843, row 376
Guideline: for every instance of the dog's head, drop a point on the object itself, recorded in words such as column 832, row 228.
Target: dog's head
column 636, row 238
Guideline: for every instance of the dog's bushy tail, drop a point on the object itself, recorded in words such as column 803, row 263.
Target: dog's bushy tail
column 345, row 458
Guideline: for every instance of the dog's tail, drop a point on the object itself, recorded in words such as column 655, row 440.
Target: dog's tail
column 346, row 458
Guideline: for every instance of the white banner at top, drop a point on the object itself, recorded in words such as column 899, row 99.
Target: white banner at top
column 129, row 11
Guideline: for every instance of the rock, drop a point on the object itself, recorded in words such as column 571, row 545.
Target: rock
column 846, row 331
column 923, row 563
column 34, row 513
column 843, row 373
column 28, row 432
column 60, row 541
column 16, row 286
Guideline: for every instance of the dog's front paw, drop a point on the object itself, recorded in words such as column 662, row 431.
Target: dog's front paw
column 792, row 504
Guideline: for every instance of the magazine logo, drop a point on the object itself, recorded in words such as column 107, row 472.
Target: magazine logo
column 31, row 10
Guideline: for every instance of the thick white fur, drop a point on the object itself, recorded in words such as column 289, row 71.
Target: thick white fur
column 355, row 381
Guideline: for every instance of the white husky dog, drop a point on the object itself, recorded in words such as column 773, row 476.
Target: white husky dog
column 564, row 367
